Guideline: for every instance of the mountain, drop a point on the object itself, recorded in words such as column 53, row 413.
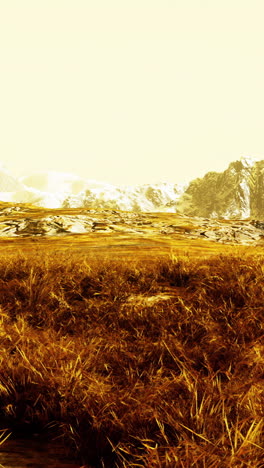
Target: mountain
column 227, row 194
column 237, row 192
column 256, row 185
column 156, row 197
column 52, row 189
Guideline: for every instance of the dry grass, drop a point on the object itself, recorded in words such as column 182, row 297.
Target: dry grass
column 172, row 382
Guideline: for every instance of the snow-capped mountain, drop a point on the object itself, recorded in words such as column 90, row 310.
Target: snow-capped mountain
column 57, row 189
column 156, row 197
column 238, row 192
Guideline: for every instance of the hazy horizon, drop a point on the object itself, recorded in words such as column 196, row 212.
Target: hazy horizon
column 33, row 174
column 131, row 92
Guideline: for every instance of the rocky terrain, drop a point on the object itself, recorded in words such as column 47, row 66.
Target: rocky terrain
column 24, row 221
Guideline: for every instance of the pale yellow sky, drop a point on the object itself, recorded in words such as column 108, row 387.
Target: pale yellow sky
column 131, row 91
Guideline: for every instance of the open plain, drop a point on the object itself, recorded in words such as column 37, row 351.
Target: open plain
column 134, row 339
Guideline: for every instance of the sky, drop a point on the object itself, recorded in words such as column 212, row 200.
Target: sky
column 131, row 91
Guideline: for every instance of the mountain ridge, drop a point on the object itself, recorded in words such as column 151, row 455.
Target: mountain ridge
column 237, row 192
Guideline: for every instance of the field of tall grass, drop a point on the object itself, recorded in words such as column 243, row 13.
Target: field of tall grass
column 135, row 364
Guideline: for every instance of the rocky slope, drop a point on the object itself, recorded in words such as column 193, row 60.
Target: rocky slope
column 256, row 185
column 227, row 194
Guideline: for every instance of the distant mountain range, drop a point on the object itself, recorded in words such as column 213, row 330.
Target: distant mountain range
column 238, row 192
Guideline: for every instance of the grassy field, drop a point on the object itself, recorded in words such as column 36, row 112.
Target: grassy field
column 123, row 246
column 134, row 357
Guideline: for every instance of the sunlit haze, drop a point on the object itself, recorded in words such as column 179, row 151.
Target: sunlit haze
column 131, row 91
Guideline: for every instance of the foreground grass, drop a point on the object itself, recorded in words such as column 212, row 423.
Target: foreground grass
column 127, row 380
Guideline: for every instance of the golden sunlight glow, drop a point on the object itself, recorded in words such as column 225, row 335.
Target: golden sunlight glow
column 131, row 91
